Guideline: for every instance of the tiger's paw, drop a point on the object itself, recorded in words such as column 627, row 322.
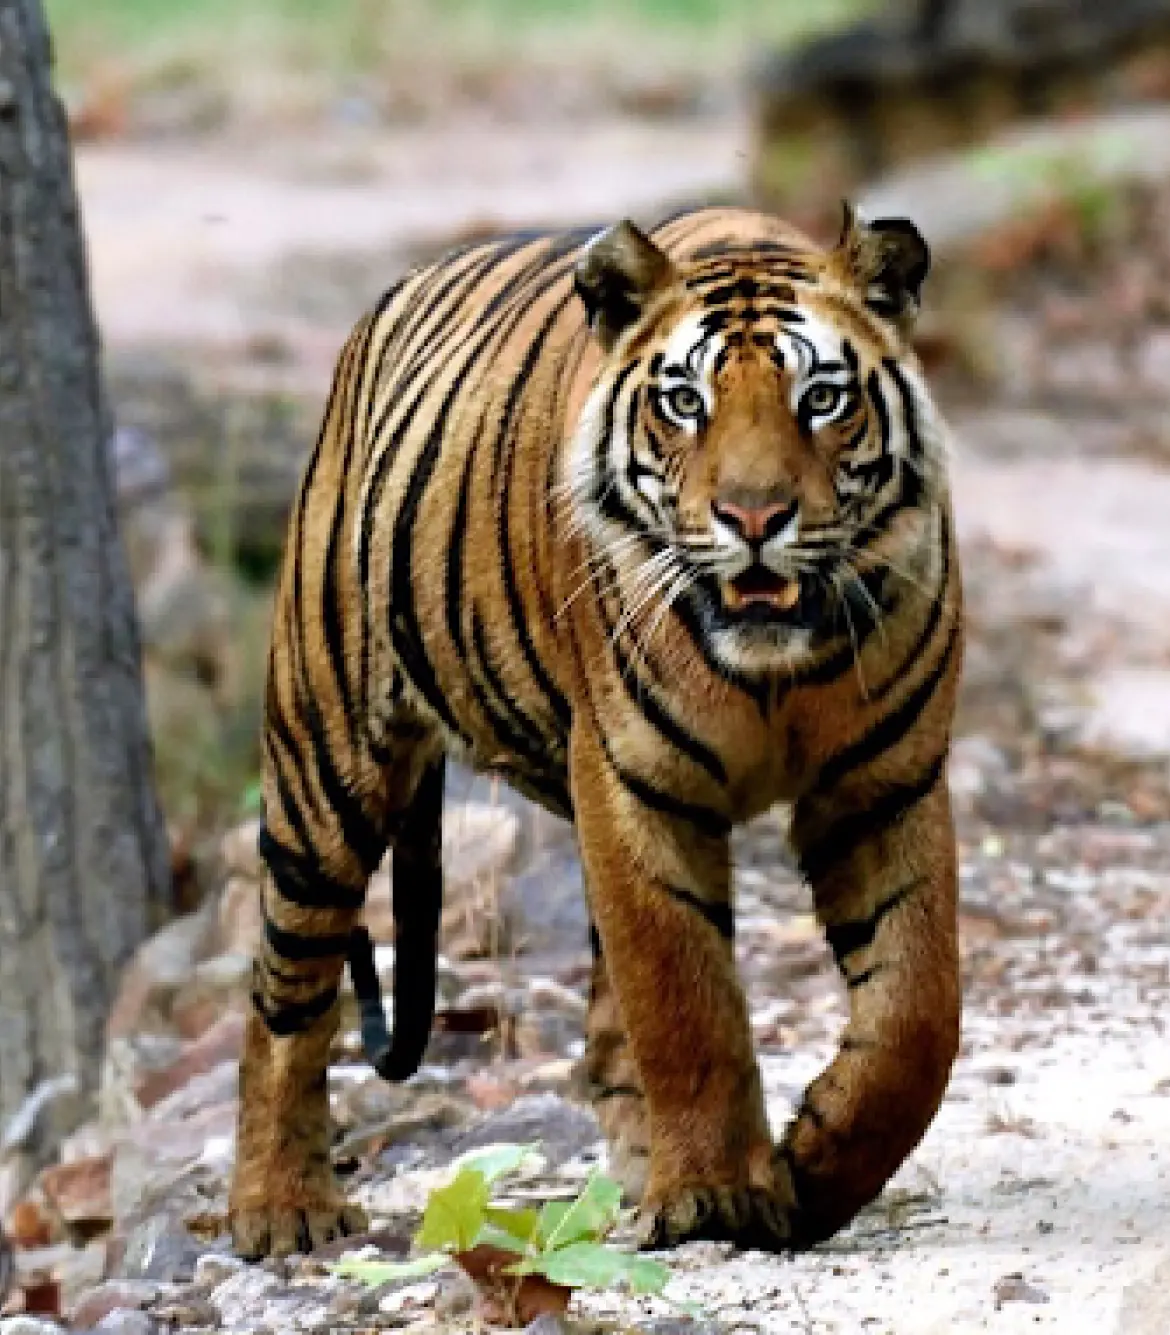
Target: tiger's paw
column 279, row 1229
column 749, row 1216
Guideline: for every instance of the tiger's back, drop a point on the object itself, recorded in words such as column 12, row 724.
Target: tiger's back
column 657, row 529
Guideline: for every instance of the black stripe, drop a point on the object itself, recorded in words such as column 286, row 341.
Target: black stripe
column 877, row 397
column 288, row 803
column 909, row 407
column 513, row 729
column 865, row 976
column 850, row 1044
column 557, row 701
column 405, row 629
column 758, row 690
column 600, row 1093
column 277, row 724
column 931, row 625
column 601, row 470
column 713, row 824
column 299, row 946
column 284, row 979
column 293, row 1017
column 846, row 937
column 656, row 714
column 454, row 570
column 721, row 916
column 890, row 729
column 811, row 1111
column 430, row 358
column 361, row 836
column 301, row 881
column 360, row 365
column 845, row 835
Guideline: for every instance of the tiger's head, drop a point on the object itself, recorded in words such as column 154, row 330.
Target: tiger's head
column 759, row 450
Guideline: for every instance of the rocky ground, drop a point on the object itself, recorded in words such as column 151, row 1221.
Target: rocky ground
column 1037, row 1199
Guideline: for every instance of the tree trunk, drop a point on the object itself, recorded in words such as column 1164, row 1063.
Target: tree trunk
column 83, row 856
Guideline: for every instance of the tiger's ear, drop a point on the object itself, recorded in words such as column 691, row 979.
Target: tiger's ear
column 887, row 260
column 617, row 274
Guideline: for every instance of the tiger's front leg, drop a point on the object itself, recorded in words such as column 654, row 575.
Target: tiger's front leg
column 882, row 868
column 612, row 1083
column 658, row 875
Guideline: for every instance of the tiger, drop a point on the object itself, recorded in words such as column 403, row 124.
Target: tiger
column 654, row 524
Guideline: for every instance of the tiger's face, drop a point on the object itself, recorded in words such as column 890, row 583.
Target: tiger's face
column 759, row 451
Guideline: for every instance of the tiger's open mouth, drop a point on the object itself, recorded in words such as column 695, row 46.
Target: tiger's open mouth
column 760, row 587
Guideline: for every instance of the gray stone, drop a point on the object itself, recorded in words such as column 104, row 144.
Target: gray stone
column 126, row 1321
column 546, row 1325
column 214, row 1268
column 160, row 1248
column 114, row 1295
column 561, row 1129
column 546, row 905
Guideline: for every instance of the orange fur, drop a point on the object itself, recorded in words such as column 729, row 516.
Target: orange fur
column 520, row 539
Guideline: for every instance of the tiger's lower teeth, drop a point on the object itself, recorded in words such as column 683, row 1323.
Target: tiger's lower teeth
column 784, row 598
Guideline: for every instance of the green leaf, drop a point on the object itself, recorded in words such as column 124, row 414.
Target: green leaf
column 519, row 1225
column 492, row 1236
column 496, row 1161
column 455, row 1213
column 591, row 1265
column 382, row 1272
column 586, row 1219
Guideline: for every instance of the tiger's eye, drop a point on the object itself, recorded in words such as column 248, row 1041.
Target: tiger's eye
column 821, row 399
column 685, row 401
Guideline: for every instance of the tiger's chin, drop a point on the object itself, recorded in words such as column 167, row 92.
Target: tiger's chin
column 762, row 623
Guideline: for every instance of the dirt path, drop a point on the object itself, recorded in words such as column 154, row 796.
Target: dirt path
column 1039, row 1200
column 183, row 239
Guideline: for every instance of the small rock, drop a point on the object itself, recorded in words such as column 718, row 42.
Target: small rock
column 187, row 1311
column 239, row 1297
column 547, row 1324
column 456, row 1296
column 159, row 968
column 221, row 1043
column 126, row 1321
column 239, row 853
column 80, row 1192
column 161, row 1249
column 215, row 1268
column 1014, row 1288
column 562, row 1129
column 79, row 1272
column 109, row 1297
column 240, row 922
column 155, row 1167
column 683, row 1326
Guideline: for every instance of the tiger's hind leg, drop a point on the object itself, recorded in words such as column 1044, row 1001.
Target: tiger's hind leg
column 284, row 1197
column 610, row 1081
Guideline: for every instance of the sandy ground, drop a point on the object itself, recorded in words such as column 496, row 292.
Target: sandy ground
column 1039, row 1199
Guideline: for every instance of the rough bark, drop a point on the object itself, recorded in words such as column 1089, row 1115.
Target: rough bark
column 83, row 859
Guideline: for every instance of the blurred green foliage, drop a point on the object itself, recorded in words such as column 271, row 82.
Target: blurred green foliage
column 347, row 34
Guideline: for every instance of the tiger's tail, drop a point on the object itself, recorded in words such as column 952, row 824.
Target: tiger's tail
column 394, row 1056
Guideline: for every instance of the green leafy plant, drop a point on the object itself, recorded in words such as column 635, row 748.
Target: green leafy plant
column 524, row 1261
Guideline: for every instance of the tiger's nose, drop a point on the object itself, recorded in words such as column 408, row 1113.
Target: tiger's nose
column 755, row 523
